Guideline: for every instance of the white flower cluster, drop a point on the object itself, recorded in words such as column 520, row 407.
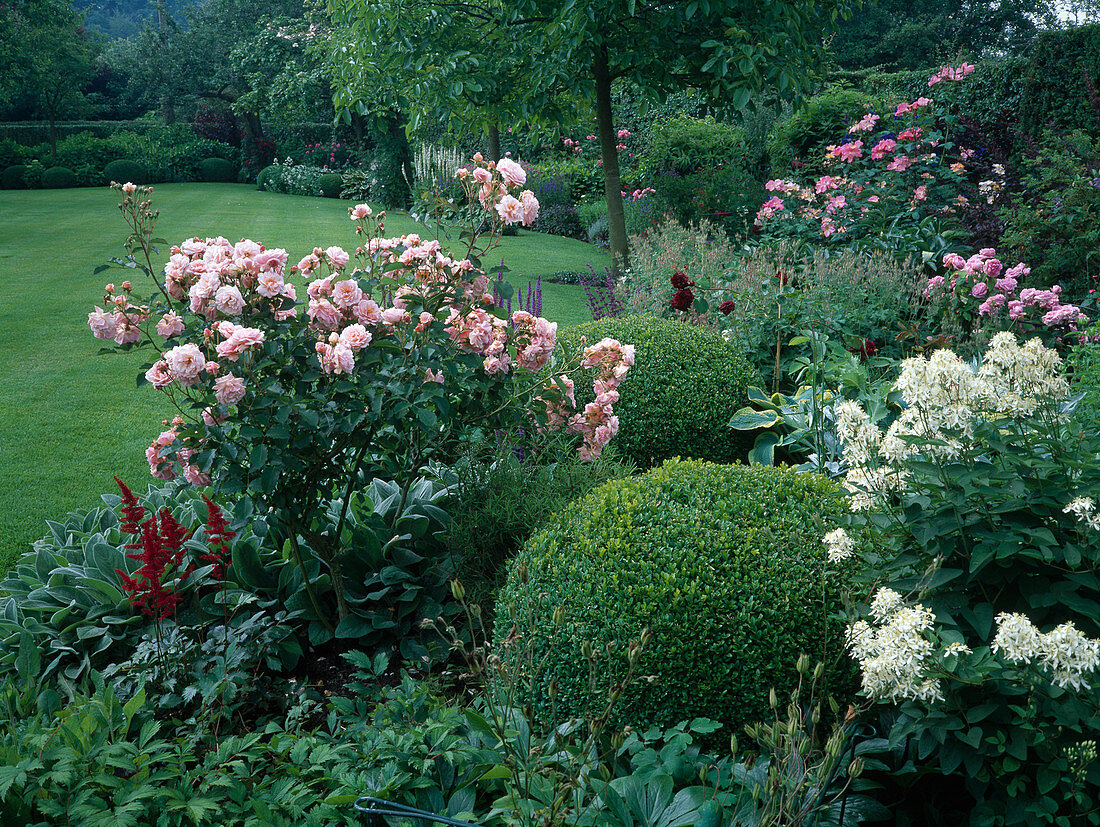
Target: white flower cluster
column 944, row 399
column 1084, row 509
column 893, row 655
column 1065, row 651
column 838, row 545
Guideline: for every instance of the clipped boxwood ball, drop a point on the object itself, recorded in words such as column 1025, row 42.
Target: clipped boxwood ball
column 125, row 170
column 264, row 176
column 12, row 177
column 331, row 184
column 686, row 384
column 59, row 178
column 722, row 563
column 217, row 171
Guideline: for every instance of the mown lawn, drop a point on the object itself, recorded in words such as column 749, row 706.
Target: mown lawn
column 70, row 419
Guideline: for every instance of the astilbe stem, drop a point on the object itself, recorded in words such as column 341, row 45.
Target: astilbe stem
column 218, row 535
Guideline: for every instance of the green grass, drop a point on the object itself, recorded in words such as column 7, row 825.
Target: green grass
column 70, row 419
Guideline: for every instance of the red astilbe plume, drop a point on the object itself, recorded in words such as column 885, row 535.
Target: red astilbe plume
column 161, row 552
column 219, row 536
column 133, row 511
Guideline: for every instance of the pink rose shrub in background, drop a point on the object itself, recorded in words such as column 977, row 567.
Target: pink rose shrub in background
column 884, row 168
column 980, row 294
column 297, row 383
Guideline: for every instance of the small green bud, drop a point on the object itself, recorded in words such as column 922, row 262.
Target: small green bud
column 773, row 699
column 457, row 591
column 733, row 744
column 803, row 664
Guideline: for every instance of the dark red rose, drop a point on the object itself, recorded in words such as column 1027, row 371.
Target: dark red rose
column 680, row 281
column 682, row 299
column 865, row 349
column 727, row 307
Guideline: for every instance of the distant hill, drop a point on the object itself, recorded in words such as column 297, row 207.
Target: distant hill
column 123, row 18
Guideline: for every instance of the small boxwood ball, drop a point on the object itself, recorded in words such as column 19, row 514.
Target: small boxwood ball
column 686, row 384
column 125, row 170
column 722, row 563
column 331, row 183
column 59, row 178
column 217, row 171
column 12, row 177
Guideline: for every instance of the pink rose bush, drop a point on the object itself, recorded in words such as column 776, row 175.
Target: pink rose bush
column 298, row 383
column 885, row 172
column 978, row 294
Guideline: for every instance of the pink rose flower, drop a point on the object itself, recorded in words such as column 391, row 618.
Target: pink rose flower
column 530, row 206
column 102, row 323
column 270, row 284
column 170, row 325
column 512, row 173
column 359, row 212
column 336, row 257
column 979, row 290
column 185, row 362
column 510, row 210
column 367, row 312
column 228, row 300
column 346, row 293
column 355, row 336
column 158, row 375
column 323, row 314
column 229, row 389
column 242, row 339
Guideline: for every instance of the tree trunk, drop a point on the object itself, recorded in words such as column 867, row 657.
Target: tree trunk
column 616, row 218
column 493, row 136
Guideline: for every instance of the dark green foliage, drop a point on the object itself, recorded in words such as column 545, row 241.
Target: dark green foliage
column 265, row 175
column 559, row 219
column 723, row 564
column 217, row 171
column 687, row 144
column 686, row 384
column 1062, row 81
column 821, row 120
column 11, row 153
column 12, row 177
column 1083, row 365
column 1053, row 224
column 59, row 178
column 901, row 34
column 499, row 501
column 125, row 170
column 331, row 182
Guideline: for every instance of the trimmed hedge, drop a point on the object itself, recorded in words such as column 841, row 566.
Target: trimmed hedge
column 1061, row 83
column 12, row 177
column 686, row 384
column 722, row 563
column 331, row 183
column 1083, row 366
column 217, row 171
column 59, row 178
column 125, row 170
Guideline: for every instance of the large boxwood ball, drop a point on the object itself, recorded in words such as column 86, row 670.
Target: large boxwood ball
column 217, row 171
column 125, row 170
column 263, row 178
column 12, row 177
column 722, row 563
column 59, row 178
column 686, row 384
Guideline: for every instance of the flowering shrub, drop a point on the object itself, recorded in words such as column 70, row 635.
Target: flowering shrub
column 978, row 296
column 977, row 502
column 291, row 178
column 382, row 367
column 878, row 183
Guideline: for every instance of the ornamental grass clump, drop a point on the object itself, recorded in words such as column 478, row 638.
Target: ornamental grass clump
column 392, row 357
column 721, row 564
column 983, row 553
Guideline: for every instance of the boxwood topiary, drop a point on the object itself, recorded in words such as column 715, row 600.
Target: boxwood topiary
column 12, row 177
column 59, row 178
column 331, row 183
column 125, row 170
column 217, row 171
column 686, row 384
column 722, row 563
column 264, row 176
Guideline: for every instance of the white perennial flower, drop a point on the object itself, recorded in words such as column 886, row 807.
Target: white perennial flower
column 838, row 545
column 957, row 649
column 1017, row 638
column 893, row 656
column 1084, row 509
column 1070, row 656
column 1065, row 650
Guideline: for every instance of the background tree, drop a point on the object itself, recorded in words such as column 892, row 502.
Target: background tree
column 46, row 59
column 901, row 34
column 536, row 49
